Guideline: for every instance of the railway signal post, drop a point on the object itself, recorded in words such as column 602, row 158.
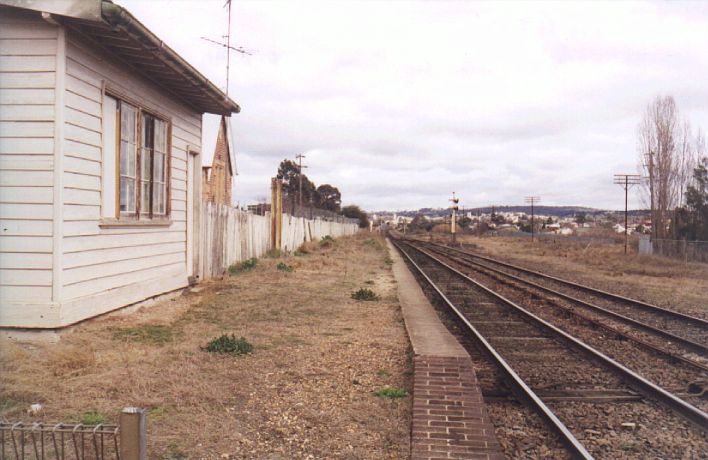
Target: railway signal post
column 453, row 221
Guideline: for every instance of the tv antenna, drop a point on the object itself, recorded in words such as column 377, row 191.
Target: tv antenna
column 228, row 46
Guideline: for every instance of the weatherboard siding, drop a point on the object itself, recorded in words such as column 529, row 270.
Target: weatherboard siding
column 116, row 265
column 28, row 47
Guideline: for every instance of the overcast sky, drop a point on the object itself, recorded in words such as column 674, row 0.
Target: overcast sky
column 400, row 103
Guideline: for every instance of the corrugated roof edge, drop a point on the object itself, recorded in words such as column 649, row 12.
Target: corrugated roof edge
column 117, row 15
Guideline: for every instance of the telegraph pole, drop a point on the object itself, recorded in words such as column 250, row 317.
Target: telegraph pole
column 454, row 217
column 626, row 181
column 533, row 200
column 299, row 158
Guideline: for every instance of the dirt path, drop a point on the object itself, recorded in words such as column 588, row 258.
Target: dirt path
column 307, row 390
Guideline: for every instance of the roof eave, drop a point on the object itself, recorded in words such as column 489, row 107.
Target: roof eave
column 118, row 16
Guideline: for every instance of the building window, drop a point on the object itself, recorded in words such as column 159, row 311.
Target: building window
column 141, row 169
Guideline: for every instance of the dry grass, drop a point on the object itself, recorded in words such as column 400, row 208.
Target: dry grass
column 307, row 389
column 658, row 280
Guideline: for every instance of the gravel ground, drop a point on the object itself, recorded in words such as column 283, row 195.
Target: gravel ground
column 305, row 392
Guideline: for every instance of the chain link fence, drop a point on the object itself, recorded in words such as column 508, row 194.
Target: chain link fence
column 688, row 251
column 311, row 212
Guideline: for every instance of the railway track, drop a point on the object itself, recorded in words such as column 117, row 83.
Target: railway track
column 681, row 330
column 596, row 406
column 684, row 377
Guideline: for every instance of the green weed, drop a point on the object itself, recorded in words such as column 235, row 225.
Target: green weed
column 229, row 344
column 155, row 334
column 391, row 393
column 283, row 267
column 326, row 241
column 274, row 254
column 365, row 295
column 92, row 418
column 245, row 266
column 374, row 244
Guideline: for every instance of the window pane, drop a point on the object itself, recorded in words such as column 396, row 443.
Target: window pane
column 127, row 122
column 145, row 166
column 158, row 173
column 159, row 198
column 160, row 136
column 148, row 130
column 127, row 159
column 144, row 197
column 127, row 194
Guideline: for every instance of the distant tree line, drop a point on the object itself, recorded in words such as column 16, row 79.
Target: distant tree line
column 673, row 159
column 325, row 196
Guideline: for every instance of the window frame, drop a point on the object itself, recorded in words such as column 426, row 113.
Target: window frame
column 138, row 216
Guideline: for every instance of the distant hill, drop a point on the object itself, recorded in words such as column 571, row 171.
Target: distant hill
column 557, row 211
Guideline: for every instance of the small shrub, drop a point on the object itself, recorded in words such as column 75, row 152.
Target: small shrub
column 245, row 266
column 229, row 344
column 326, row 241
column 274, row 254
column 365, row 294
column 369, row 282
column 391, row 393
column 299, row 253
column 155, row 334
column 92, row 418
column 283, row 267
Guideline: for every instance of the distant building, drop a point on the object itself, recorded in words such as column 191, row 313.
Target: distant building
column 217, row 179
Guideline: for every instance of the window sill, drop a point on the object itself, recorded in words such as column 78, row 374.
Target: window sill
column 127, row 223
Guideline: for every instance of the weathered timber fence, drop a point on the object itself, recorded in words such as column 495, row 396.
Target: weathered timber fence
column 229, row 235
column 297, row 230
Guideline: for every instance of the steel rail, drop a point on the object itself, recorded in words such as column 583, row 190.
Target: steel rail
column 668, row 335
column 599, row 292
column 648, row 388
column 517, row 382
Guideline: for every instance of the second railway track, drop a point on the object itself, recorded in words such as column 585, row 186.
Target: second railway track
column 614, row 413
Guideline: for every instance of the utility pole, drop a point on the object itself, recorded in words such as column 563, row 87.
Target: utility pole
column 626, row 181
column 453, row 221
column 299, row 158
column 532, row 200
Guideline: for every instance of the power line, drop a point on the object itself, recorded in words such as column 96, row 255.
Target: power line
column 532, row 200
column 299, row 158
column 626, row 181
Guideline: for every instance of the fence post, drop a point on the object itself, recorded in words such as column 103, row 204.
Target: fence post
column 133, row 434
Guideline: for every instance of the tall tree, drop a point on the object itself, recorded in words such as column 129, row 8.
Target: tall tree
column 328, row 197
column 697, row 202
column 664, row 145
column 355, row 212
column 289, row 172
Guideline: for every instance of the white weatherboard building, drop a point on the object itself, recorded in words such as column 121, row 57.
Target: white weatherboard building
column 100, row 133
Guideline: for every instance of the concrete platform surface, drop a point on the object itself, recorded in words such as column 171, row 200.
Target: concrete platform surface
column 429, row 337
column 450, row 417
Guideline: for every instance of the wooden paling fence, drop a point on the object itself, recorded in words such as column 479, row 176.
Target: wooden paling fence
column 229, row 235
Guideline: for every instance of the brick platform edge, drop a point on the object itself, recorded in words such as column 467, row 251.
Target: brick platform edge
column 450, row 419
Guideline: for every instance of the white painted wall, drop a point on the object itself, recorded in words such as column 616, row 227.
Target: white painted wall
column 58, row 265
column 27, row 112
column 106, row 268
